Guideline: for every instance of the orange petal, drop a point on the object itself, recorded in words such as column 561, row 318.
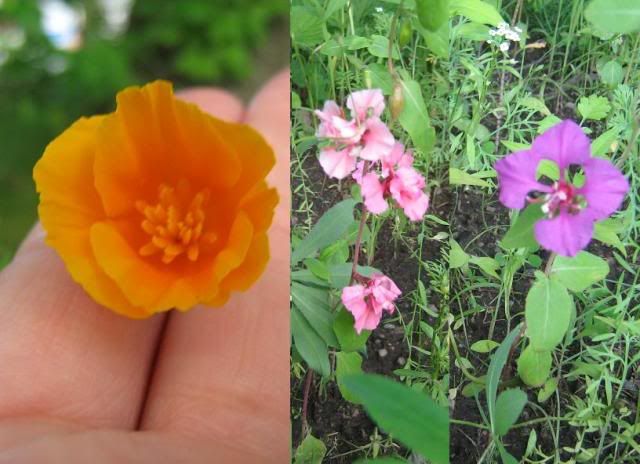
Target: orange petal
column 69, row 205
column 256, row 155
column 236, row 248
column 142, row 283
column 260, row 205
column 252, row 267
column 151, row 139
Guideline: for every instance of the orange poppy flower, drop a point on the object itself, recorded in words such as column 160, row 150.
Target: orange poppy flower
column 157, row 205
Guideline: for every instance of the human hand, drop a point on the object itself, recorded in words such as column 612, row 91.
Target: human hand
column 79, row 383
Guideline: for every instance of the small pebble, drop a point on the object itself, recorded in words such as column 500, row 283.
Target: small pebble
column 382, row 353
column 388, row 326
column 401, row 361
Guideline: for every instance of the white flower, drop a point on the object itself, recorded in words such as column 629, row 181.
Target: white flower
column 492, row 32
column 379, row 9
column 504, row 46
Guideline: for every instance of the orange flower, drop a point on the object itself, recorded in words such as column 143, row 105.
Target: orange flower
column 157, row 205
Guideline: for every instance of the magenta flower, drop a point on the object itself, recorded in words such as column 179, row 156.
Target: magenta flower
column 398, row 180
column 571, row 210
column 368, row 299
column 364, row 136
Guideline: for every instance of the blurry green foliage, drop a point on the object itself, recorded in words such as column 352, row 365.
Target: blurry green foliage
column 43, row 90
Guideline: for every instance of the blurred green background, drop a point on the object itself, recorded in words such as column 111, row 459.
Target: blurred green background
column 60, row 60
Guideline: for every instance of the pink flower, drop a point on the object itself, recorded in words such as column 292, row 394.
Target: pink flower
column 571, row 211
column 407, row 189
column 364, row 136
column 399, row 181
column 368, row 300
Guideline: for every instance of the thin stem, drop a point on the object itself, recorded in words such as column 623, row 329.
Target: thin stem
column 358, row 245
column 305, row 402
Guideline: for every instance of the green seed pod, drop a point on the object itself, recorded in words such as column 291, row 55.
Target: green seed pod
column 367, row 79
column 432, row 13
column 405, row 34
column 396, row 101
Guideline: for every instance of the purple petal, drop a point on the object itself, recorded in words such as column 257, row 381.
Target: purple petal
column 565, row 144
column 604, row 189
column 565, row 234
column 517, row 178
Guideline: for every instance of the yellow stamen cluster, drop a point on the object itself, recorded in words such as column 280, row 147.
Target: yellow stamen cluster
column 175, row 230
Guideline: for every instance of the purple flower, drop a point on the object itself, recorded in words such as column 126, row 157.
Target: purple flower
column 571, row 210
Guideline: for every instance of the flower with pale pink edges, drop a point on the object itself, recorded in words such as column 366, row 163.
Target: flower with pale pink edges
column 364, row 136
column 367, row 300
column 400, row 181
column 570, row 210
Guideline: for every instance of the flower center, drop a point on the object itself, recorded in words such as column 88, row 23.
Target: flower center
column 175, row 224
column 562, row 198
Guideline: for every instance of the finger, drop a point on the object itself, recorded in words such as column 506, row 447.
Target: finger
column 109, row 446
column 224, row 374
column 62, row 355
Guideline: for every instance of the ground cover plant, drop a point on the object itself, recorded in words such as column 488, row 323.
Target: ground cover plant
column 544, row 265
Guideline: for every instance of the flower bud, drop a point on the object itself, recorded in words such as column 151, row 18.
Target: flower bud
column 396, row 101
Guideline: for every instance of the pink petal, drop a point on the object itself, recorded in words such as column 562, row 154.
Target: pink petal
column 565, row 143
column 565, row 234
column 416, row 209
column 517, row 178
column 373, row 194
column 337, row 163
column 361, row 101
column 369, row 320
column 378, row 141
column 604, row 189
column 396, row 158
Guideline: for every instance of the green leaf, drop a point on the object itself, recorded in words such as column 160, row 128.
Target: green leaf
column 379, row 47
column 415, row 117
column 459, row 177
column 607, row 232
column 477, row 11
column 535, row 104
column 505, row 456
column 581, row 271
column 487, row 264
column 310, row 451
column 309, row 344
column 424, row 430
column 348, row 338
column 547, row 390
column 594, row 107
column 307, row 27
column 547, row 313
column 548, row 122
column 340, row 274
column 516, row 146
column 614, row 16
column 611, row 73
column 380, row 77
column 520, row 235
column 313, row 303
column 534, row 366
column 457, row 256
column 437, row 41
column 330, row 227
column 347, row 364
column 484, row 346
column 548, row 168
column 432, row 13
column 602, row 144
column 509, row 406
column 498, row 360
